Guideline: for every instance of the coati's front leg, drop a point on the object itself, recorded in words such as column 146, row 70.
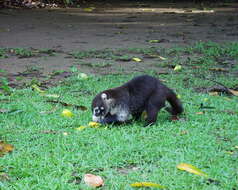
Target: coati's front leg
column 136, row 116
column 109, row 119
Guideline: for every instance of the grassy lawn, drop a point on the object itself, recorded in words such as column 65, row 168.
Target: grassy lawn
column 49, row 153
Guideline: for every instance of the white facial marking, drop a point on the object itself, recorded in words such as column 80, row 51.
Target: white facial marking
column 95, row 110
column 102, row 108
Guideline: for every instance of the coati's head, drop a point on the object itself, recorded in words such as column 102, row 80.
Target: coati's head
column 101, row 105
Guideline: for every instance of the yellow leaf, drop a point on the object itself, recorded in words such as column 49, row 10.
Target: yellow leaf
column 81, row 128
column 213, row 93
column 65, row 133
column 205, row 99
column 83, row 76
column 177, row 67
column 144, row 115
column 5, row 148
column 236, row 147
column 154, row 41
column 147, row 184
column 191, row 169
column 67, row 113
column 136, row 59
column 234, row 92
column 93, row 124
column 89, row 9
column 36, row 88
column 178, row 96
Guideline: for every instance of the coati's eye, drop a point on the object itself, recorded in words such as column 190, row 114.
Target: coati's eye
column 99, row 111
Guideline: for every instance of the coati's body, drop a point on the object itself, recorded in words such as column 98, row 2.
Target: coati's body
column 142, row 93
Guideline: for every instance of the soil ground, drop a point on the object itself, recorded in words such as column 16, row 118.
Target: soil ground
column 109, row 25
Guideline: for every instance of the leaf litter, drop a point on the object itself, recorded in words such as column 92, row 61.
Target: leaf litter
column 5, row 148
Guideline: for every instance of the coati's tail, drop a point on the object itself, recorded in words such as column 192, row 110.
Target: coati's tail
column 176, row 105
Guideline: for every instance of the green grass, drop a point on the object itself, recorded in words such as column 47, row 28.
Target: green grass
column 45, row 158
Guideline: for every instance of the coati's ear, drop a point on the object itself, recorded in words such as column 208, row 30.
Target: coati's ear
column 109, row 101
column 103, row 96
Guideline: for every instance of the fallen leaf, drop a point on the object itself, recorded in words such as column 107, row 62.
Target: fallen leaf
column 81, row 128
column 179, row 96
column 236, row 147
column 5, row 148
column 89, row 9
column 162, row 58
column 43, row 93
column 144, row 115
column 93, row 180
column 191, row 169
column 37, row 88
column 154, row 41
column 147, row 184
column 67, row 113
column 213, row 93
column 82, row 76
column 219, row 69
column 177, row 68
column 93, row 124
column 65, row 133
column 136, row 59
column 234, row 92
column 200, row 113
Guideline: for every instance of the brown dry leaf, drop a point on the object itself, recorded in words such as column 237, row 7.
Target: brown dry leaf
column 219, row 69
column 5, row 148
column 191, row 169
column 200, row 113
column 93, row 180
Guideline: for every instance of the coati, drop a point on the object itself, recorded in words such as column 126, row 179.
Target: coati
column 142, row 93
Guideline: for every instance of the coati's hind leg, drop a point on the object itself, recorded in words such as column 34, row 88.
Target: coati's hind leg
column 153, row 106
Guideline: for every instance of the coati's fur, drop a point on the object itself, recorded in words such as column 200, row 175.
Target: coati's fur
column 142, row 93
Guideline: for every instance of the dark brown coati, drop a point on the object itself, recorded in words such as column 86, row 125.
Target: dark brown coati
column 142, row 93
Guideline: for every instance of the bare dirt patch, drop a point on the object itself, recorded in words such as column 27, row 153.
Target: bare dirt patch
column 107, row 25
